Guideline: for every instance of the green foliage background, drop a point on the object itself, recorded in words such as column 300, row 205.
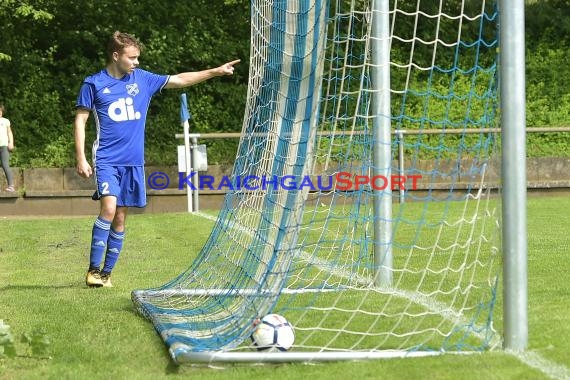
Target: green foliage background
column 49, row 46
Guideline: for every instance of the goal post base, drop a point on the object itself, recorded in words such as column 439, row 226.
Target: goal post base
column 182, row 356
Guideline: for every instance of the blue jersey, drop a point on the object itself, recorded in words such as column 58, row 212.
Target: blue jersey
column 120, row 107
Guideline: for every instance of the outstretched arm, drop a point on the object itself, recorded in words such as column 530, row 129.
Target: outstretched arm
column 190, row 78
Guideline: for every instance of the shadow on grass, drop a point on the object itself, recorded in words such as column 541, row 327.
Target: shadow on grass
column 171, row 366
column 29, row 287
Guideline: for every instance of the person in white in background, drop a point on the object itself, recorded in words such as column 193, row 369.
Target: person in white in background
column 6, row 146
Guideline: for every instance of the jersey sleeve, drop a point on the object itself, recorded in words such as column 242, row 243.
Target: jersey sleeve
column 155, row 82
column 86, row 97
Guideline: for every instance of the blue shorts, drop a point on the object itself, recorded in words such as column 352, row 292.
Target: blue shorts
column 126, row 183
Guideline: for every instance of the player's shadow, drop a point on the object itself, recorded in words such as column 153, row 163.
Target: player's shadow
column 36, row 287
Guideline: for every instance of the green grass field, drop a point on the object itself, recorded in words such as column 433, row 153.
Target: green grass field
column 96, row 333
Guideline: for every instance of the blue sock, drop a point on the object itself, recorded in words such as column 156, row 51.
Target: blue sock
column 99, row 238
column 114, row 246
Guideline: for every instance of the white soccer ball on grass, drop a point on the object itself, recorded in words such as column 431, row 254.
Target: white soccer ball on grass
column 273, row 333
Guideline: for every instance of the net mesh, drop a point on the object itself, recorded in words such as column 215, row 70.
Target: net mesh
column 298, row 233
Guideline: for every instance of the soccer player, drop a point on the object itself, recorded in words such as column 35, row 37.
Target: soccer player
column 119, row 97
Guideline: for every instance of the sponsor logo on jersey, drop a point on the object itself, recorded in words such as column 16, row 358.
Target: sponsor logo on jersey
column 123, row 110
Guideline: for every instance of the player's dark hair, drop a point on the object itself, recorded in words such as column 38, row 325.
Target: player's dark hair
column 119, row 41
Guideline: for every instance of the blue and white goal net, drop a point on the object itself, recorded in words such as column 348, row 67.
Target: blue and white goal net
column 369, row 145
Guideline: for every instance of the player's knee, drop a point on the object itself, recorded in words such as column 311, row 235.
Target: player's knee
column 108, row 212
column 119, row 219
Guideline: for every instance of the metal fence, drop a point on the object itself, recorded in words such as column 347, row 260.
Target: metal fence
column 191, row 146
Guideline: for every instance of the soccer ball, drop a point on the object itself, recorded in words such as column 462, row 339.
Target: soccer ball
column 273, row 333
